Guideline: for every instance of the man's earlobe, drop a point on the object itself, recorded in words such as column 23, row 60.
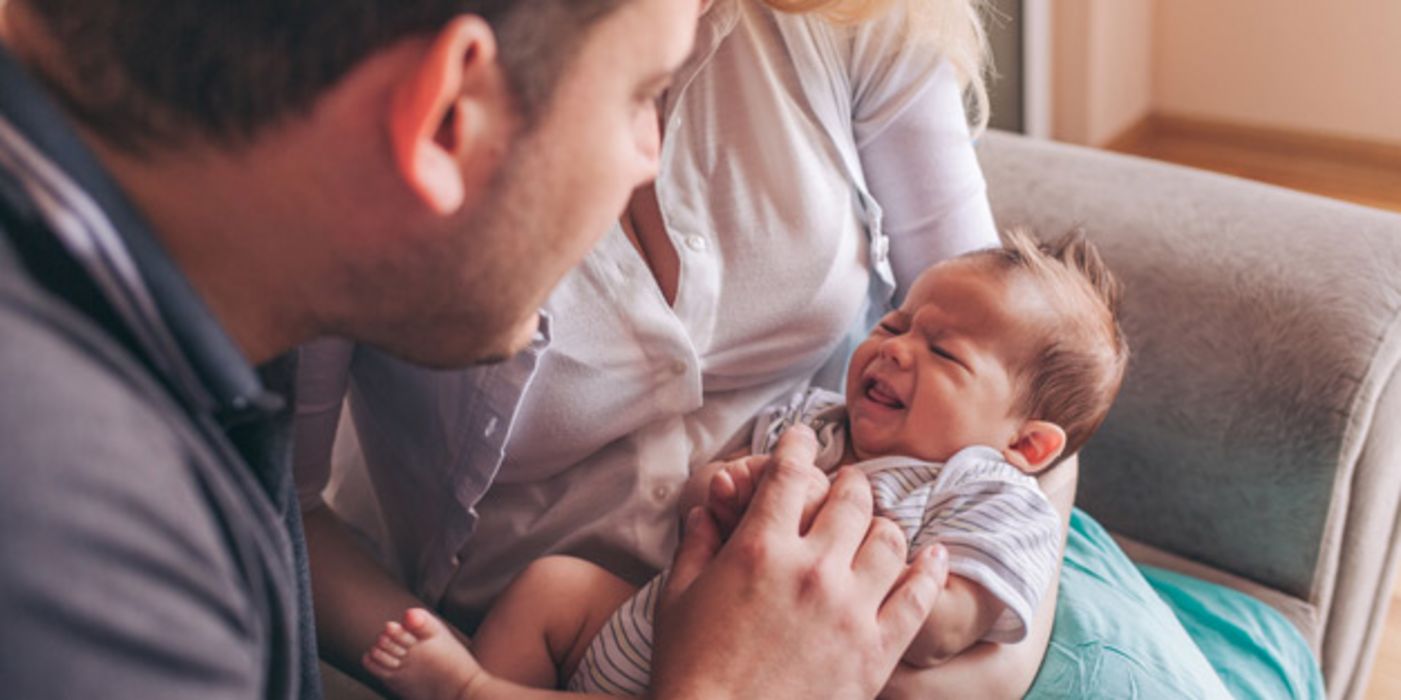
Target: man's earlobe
column 1035, row 446
column 429, row 123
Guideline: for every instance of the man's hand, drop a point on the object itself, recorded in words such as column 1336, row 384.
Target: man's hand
column 780, row 612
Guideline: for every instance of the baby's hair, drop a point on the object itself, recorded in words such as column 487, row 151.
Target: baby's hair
column 1079, row 361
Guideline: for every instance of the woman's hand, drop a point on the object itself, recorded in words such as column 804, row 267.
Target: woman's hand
column 780, row 611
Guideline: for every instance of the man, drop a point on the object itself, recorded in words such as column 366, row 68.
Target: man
column 188, row 190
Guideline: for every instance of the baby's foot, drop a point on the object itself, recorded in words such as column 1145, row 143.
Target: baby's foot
column 420, row 659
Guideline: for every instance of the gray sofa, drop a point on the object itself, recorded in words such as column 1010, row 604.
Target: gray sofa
column 1257, row 441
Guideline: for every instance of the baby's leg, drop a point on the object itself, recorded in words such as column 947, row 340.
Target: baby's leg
column 537, row 631
column 419, row 659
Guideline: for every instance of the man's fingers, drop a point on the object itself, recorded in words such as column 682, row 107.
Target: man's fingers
column 699, row 542
column 780, row 495
column 843, row 519
column 880, row 561
column 818, row 487
column 909, row 603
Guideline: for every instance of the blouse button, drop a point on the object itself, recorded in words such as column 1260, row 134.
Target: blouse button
column 696, row 242
column 678, row 366
column 661, row 492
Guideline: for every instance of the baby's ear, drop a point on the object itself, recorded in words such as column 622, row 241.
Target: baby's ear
column 1035, row 446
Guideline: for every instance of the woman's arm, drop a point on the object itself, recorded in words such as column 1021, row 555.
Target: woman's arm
column 916, row 151
column 964, row 612
column 989, row 670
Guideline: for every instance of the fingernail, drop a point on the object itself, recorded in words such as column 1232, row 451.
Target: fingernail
column 940, row 554
column 934, row 554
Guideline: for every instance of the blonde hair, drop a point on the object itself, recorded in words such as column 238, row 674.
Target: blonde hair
column 955, row 27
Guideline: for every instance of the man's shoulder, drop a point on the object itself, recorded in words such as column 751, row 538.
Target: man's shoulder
column 104, row 498
column 85, row 428
column 63, row 376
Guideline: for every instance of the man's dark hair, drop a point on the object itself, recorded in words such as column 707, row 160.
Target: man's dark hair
column 146, row 72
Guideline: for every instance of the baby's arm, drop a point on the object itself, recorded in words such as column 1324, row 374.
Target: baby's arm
column 963, row 614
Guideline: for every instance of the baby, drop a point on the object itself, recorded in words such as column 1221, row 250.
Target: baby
column 997, row 364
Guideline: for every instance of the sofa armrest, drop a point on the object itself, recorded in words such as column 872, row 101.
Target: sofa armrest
column 1257, row 430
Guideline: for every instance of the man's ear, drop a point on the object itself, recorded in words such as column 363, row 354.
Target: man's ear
column 432, row 121
column 1035, row 446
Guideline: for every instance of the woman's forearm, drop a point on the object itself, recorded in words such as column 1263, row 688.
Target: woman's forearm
column 985, row 670
column 988, row 670
column 963, row 613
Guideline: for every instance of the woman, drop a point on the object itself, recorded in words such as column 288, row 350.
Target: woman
column 816, row 156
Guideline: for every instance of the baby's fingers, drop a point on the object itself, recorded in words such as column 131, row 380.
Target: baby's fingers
column 720, row 501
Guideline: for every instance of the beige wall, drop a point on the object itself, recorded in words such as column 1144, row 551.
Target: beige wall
column 1327, row 66
column 1102, row 82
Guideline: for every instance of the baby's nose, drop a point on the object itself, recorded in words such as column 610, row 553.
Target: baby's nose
column 896, row 350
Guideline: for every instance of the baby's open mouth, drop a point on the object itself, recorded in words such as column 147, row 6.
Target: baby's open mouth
column 878, row 392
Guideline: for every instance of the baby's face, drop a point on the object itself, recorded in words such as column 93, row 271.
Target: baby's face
column 937, row 375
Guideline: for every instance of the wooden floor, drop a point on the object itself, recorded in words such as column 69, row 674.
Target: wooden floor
column 1355, row 172
column 1386, row 673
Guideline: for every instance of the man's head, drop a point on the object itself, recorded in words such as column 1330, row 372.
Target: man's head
column 416, row 174
column 146, row 73
column 1016, row 347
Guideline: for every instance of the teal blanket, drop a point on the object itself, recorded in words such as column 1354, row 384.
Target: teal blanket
column 1126, row 632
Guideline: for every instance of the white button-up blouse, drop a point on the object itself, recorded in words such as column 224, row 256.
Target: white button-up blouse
column 807, row 171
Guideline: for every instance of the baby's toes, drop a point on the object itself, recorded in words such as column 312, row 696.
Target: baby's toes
column 396, row 631
column 380, row 663
column 421, row 624
column 391, row 646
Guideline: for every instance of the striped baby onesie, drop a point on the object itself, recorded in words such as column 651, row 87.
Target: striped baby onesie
column 1000, row 530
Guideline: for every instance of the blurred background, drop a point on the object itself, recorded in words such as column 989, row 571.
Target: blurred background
column 1305, row 94
column 1300, row 93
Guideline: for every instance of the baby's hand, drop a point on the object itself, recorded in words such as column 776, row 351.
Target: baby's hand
column 731, row 488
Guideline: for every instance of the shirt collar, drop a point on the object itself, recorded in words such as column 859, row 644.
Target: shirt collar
column 88, row 211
